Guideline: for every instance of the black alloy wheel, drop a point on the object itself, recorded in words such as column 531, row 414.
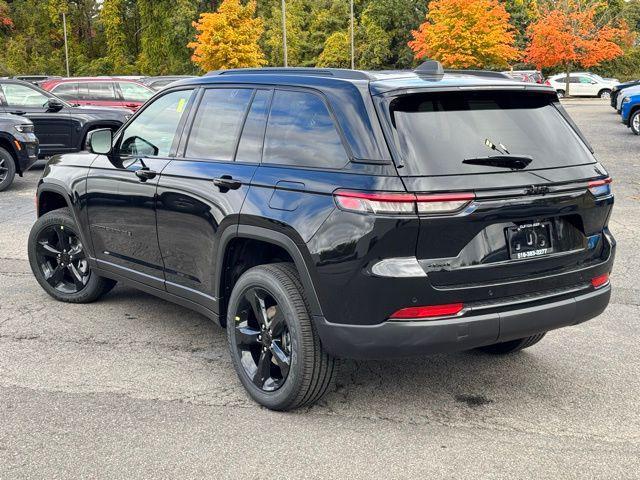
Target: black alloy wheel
column 262, row 338
column 61, row 259
column 7, row 169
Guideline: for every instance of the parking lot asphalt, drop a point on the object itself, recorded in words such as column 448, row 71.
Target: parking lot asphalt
column 135, row 387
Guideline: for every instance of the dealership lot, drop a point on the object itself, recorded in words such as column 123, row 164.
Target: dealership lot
column 132, row 385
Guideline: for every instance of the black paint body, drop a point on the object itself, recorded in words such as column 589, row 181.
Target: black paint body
column 171, row 235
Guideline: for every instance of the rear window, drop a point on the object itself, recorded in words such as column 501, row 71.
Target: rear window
column 435, row 132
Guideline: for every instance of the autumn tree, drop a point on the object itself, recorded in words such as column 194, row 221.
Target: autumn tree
column 228, row 38
column 466, row 33
column 568, row 34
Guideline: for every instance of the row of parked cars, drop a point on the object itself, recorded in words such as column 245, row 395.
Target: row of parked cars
column 625, row 98
column 41, row 116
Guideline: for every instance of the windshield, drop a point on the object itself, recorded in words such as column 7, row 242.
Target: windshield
column 436, row 132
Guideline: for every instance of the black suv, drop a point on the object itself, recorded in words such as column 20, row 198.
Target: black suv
column 18, row 148
column 60, row 127
column 336, row 213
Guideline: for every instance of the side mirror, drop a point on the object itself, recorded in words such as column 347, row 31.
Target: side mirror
column 54, row 105
column 100, row 141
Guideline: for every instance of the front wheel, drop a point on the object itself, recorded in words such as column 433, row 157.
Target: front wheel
column 513, row 346
column 59, row 262
column 634, row 122
column 274, row 345
column 7, row 169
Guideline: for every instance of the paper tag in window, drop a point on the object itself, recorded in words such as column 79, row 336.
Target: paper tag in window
column 180, row 106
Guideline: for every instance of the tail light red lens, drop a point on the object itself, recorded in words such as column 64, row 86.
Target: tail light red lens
column 428, row 311
column 600, row 188
column 600, row 280
column 401, row 203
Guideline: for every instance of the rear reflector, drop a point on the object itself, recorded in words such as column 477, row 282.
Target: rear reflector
column 600, row 188
column 401, row 203
column 429, row 311
column 600, row 280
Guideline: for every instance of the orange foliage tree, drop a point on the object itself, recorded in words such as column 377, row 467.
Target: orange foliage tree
column 568, row 35
column 466, row 33
column 228, row 38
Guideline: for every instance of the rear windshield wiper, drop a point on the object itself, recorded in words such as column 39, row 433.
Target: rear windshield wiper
column 515, row 162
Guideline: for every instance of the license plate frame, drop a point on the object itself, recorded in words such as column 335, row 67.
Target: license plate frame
column 530, row 240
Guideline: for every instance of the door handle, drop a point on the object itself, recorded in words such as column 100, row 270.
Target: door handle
column 18, row 112
column 226, row 182
column 145, row 174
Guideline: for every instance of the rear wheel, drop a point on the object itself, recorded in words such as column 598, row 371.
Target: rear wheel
column 274, row 345
column 7, row 169
column 59, row 262
column 513, row 345
column 634, row 122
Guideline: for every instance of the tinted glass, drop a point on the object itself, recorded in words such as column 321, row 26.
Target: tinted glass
column 152, row 132
column 585, row 80
column 217, row 123
column 66, row 91
column 300, row 131
column 21, row 95
column 250, row 146
column 101, row 91
column 435, row 132
column 132, row 92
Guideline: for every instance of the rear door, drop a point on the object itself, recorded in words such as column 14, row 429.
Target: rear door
column 133, row 95
column 495, row 227
column 201, row 193
column 102, row 93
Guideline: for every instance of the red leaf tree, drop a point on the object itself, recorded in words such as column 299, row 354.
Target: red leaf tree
column 568, row 35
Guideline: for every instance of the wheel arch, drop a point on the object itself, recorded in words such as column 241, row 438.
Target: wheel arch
column 272, row 246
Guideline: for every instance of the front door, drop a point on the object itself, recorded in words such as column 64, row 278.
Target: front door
column 121, row 191
column 200, row 195
column 54, row 129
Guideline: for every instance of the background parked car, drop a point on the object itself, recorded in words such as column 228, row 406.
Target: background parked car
column 615, row 91
column 631, row 113
column 100, row 91
column 582, row 85
column 158, row 83
column 624, row 94
column 18, row 148
column 59, row 126
column 534, row 76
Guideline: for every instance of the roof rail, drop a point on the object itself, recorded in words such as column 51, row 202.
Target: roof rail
column 480, row 73
column 318, row 72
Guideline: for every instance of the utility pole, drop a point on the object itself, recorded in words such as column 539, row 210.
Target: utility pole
column 66, row 48
column 284, row 32
column 353, row 55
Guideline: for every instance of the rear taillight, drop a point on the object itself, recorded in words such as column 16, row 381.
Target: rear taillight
column 428, row 311
column 401, row 203
column 600, row 280
column 600, row 188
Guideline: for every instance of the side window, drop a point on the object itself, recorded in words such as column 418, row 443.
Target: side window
column 217, row 123
column 132, row 92
column 152, row 132
column 22, row 96
column 301, row 132
column 586, row 80
column 101, row 91
column 66, row 91
column 250, row 146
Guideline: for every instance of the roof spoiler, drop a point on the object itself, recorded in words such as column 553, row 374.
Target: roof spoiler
column 480, row 73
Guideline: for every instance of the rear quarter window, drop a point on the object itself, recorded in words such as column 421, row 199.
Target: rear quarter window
column 301, row 132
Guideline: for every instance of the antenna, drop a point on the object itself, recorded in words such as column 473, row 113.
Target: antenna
column 430, row 67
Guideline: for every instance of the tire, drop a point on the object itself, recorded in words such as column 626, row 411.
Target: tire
column 7, row 169
column 634, row 122
column 310, row 370
column 605, row 93
column 55, row 276
column 512, row 346
column 560, row 93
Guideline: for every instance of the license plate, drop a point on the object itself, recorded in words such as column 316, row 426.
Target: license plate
column 529, row 240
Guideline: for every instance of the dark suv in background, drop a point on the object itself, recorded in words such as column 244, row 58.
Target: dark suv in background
column 60, row 127
column 319, row 213
column 18, row 148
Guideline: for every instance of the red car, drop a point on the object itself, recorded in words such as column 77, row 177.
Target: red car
column 100, row 91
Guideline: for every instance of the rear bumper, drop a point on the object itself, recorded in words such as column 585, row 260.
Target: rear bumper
column 411, row 338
